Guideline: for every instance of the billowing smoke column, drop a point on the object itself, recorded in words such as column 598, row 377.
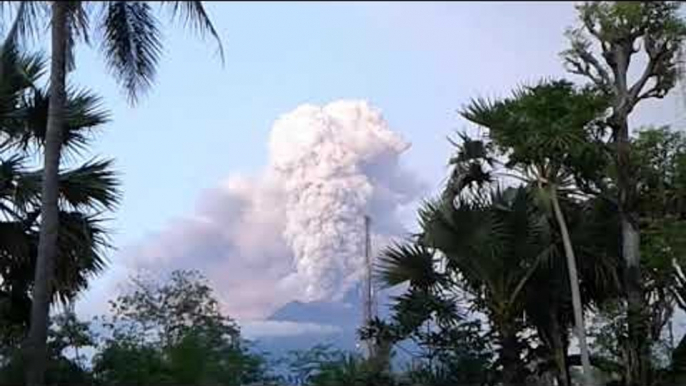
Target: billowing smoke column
column 296, row 232
column 324, row 157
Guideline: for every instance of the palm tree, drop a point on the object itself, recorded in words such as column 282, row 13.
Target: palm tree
column 131, row 43
column 492, row 245
column 546, row 132
column 85, row 191
column 509, row 294
column 595, row 236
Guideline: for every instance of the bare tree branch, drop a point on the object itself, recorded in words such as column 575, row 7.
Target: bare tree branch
column 657, row 56
column 584, row 62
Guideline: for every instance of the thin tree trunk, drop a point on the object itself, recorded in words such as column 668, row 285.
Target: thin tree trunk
column 637, row 365
column 638, row 355
column 562, row 372
column 558, row 344
column 576, row 294
column 49, row 227
column 638, row 348
column 510, row 358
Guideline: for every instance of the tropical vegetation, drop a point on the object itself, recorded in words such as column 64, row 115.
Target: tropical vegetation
column 554, row 253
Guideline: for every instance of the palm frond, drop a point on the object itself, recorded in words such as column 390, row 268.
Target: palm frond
column 81, row 245
column 472, row 166
column 417, row 305
column 77, row 29
column 19, row 190
column 494, row 243
column 14, row 246
column 18, row 69
column 84, row 113
column 92, row 185
column 131, row 45
column 194, row 15
column 485, row 112
column 19, row 73
column 408, row 262
column 79, row 20
column 27, row 17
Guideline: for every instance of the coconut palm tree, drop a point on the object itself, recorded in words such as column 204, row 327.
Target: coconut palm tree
column 129, row 36
column 85, row 190
column 546, row 133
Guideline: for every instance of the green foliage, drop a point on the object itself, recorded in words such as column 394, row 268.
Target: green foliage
column 552, row 121
column 452, row 354
column 124, row 362
column 86, row 191
column 490, row 246
column 549, row 133
column 322, row 365
column 408, row 263
column 660, row 162
column 168, row 311
column 502, row 247
column 175, row 334
column 66, row 336
column 616, row 28
column 482, row 249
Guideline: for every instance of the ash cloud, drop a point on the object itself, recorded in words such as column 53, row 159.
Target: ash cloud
column 296, row 231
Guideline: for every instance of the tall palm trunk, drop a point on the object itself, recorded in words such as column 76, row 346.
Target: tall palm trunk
column 574, row 284
column 47, row 244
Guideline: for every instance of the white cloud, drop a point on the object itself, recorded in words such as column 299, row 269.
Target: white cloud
column 279, row 329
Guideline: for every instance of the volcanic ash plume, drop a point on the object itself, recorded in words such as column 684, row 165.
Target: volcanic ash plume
column 299, row 226
column 333, row 162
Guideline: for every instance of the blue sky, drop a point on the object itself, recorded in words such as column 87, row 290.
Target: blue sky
column 417, row 62
column 202, row 121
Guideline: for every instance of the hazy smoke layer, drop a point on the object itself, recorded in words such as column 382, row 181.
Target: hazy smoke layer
column 296, row 232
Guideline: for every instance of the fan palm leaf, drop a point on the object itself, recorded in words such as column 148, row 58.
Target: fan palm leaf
column 85, row 190
column 407, row 262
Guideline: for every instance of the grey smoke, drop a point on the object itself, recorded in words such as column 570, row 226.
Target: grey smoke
column 295, row 232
